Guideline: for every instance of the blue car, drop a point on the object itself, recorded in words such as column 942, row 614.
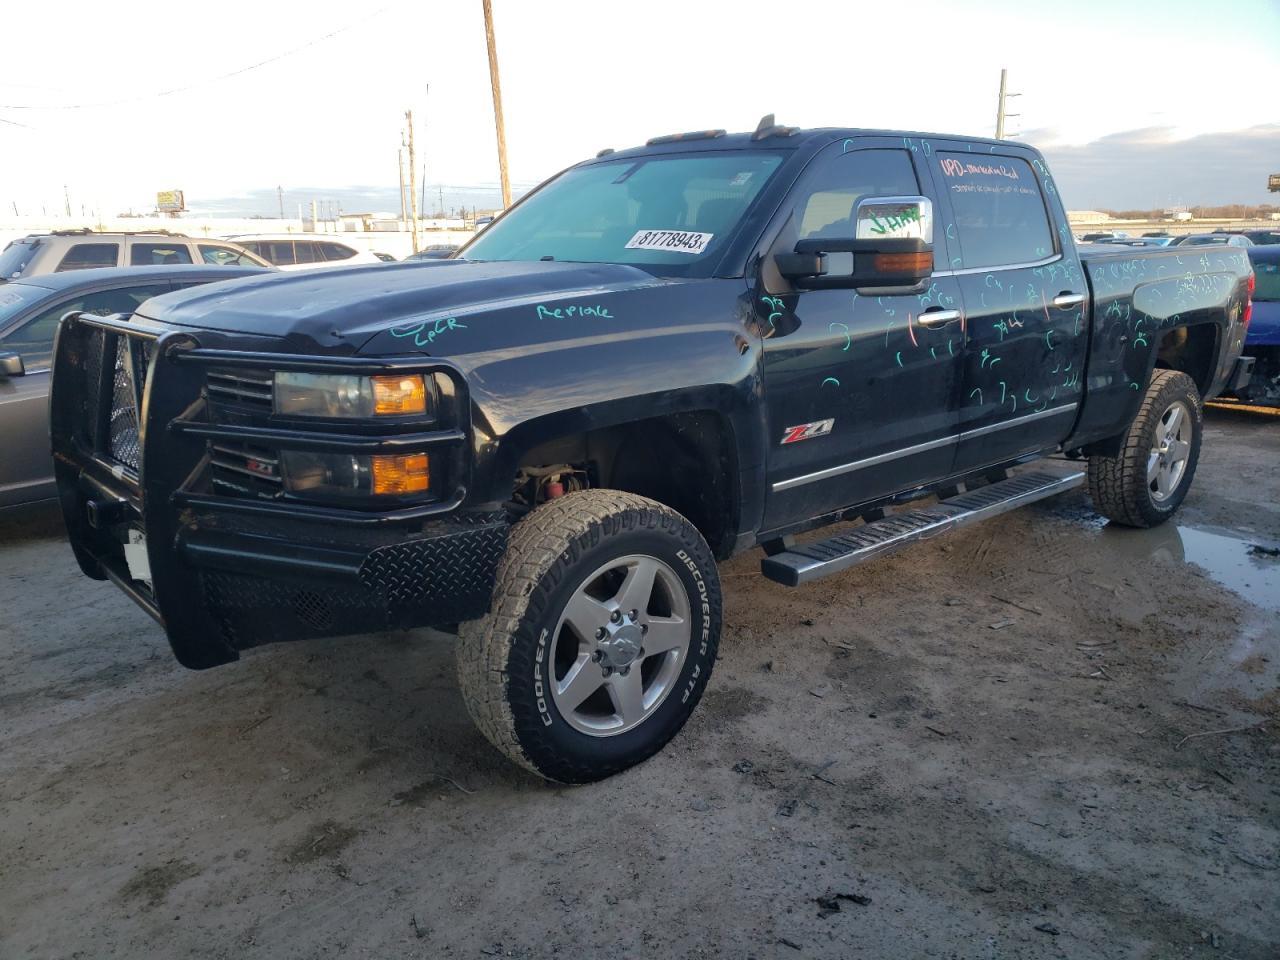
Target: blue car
column 1263, row 342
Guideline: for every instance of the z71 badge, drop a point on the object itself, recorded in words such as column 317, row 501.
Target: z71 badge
column 807, row 431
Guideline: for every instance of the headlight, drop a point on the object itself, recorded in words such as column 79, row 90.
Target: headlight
column 344, row 395
column 345, row 474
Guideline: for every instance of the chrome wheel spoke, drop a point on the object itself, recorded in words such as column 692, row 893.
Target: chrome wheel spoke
column 585, row 615
column 1162, row 481
column 1153, row 466
column 1173, row 421
column 627, row 694
column 637, row 588
column 664, row 634
column 583, row 679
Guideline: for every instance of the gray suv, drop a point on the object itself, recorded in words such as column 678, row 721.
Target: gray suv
column 65, row 250
column 29, row 314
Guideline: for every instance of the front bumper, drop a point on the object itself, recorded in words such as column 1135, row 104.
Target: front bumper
column 231, row 569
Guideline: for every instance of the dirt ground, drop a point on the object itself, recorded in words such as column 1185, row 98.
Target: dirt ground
column 1008, row 742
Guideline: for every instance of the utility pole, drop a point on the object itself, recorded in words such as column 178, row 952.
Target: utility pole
column 497, row 103
column 280, row 197
column 1000, row 111
column 400, row 159
column 66, row 198
column 413, row 179
column 442, row 200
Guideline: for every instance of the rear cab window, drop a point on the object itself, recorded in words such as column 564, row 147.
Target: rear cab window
column 998, row 211
column 304, row 251
column 158, row 254
column 88, row 256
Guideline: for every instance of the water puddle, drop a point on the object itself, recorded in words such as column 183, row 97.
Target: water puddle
column 1241, row 675
column 1250, row 568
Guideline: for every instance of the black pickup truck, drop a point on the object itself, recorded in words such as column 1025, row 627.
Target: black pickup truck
column 659, row 358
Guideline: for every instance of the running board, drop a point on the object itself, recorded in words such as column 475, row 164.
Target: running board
column 820, row 558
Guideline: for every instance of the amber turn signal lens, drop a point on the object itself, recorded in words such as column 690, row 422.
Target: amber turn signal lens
column 400, row 473
column 399, row 395
column 904, row 262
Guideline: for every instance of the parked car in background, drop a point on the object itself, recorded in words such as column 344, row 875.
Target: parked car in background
column 1136, row 241
column 482, row 222
column 1262, row 237
column 1263, row 340
column 63, row 250
column 29, row 313
column 437, row 251
column 1212, row 239
column 1103, row 236
column 384, row 257
column 303, row 252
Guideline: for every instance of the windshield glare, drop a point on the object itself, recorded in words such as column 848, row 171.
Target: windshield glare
column 669, row 214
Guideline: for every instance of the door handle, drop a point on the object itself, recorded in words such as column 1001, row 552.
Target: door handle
column 1067, row 299
column 937, row 318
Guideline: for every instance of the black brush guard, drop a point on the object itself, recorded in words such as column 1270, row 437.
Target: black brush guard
column 132, row 432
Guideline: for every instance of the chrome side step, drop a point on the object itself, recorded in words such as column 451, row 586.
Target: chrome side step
column 800, row 564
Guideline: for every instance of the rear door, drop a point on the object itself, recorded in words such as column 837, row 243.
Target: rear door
column 1024, row 297
column 860, row 389
column 26, row 469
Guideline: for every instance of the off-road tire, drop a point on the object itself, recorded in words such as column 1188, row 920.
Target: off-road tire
column 1118, row 485
column 549, row 554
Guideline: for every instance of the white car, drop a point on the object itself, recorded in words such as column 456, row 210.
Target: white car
column 303, row 252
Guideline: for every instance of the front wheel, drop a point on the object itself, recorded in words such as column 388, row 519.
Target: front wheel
column 600, row 640
column 1147, row 481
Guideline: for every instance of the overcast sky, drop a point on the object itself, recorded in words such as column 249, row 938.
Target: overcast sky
column 1135, row 104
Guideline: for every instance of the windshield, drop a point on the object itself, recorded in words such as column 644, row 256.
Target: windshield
column 15, row 257
column 1268, row 281
column 670, row 214
column 16, row 297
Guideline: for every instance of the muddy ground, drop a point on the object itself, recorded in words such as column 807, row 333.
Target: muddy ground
column 1003, row 743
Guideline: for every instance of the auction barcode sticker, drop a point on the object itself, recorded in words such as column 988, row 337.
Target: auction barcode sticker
column 676, row 241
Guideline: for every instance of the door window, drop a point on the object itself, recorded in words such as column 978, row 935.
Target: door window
column 158, row 254
column 219, row 256
column 305, row 251
column 281, row 253
column 1000, row 216
column 824, row 207
column 34, row 339
column 86, row 256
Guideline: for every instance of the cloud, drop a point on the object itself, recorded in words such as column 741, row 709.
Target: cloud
column 1151, row 167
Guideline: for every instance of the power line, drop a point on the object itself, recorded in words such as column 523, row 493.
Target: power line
column 201, row 83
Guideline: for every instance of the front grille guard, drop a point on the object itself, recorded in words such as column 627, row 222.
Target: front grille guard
column 165, row 494
column 109, row 449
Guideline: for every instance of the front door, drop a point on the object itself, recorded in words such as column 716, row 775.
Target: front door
column 861, row 389
column 1024, row 299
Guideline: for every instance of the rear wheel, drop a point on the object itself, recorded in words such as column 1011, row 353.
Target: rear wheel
column 601, row 637
column 1147, row 481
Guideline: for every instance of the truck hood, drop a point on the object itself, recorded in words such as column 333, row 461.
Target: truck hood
column 349, row 306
